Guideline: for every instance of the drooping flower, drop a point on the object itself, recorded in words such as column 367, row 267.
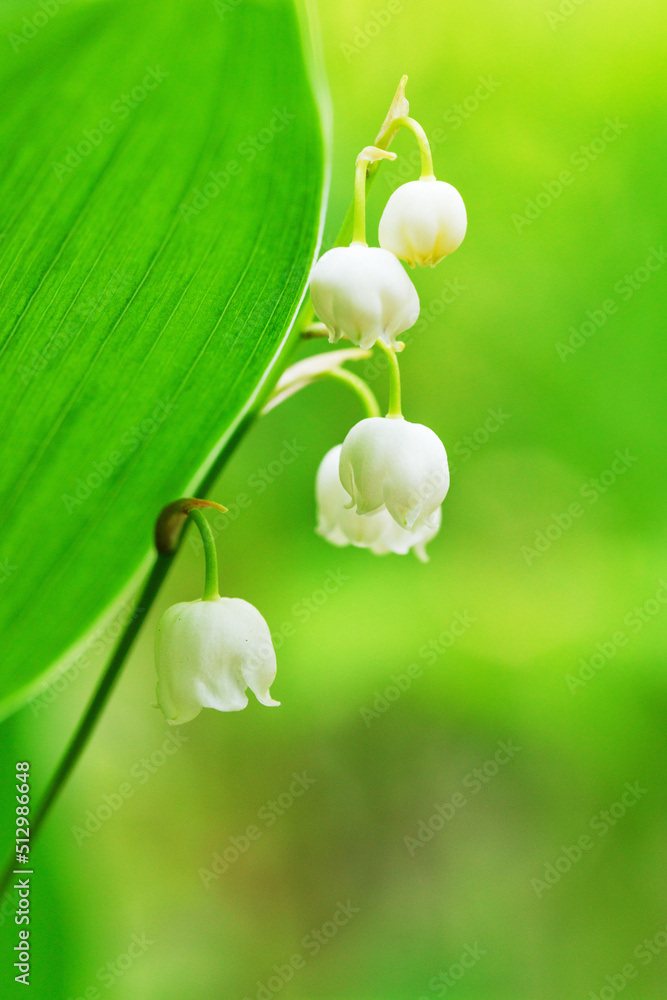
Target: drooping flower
column 364, row 294
column 207, row 653
column 423, row 221
column 379, row 532
column 390, row 462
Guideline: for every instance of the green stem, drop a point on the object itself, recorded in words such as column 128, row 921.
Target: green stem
column 383, row 141
column 362, row 389
column 424, row 147
column 211, row 592
column 346, row 230
column 359, row 226
column 110, row 676
column 97, row 703
column 394, row 379
column 370, row 170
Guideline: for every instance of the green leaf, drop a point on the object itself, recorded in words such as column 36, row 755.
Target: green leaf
column 161, row 175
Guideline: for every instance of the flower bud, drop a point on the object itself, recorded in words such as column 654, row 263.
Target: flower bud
column 364, row 294
column 378, row 532
column 423, row 221
column 389, row 462
column 207, row 653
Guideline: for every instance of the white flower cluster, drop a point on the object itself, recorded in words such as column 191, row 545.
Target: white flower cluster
column 382, row 489
column 377, row 531
column 361, row 292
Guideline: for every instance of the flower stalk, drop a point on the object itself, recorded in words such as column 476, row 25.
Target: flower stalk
column 424, row 147
column 167, row 536
column 394, row 380
column 359, row 227
column 211, row 592
column 358, row 386
column 370, row 154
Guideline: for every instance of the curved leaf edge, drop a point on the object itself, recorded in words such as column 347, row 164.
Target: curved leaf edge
column 212, row 466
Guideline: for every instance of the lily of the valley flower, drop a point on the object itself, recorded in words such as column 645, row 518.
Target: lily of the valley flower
column 423, row 221
column 363, row 293
column 379, row 532
column 207, row 653
column 390, row 462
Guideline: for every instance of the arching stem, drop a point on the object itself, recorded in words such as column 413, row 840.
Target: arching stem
column 396, row 118
column 368, row 155
column 359, row 227
column 167, row 535
column 394, row 379
column 424, row 147
column 362, row 389
column 211, row 592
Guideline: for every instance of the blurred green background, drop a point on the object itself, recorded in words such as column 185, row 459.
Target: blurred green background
column 526, row 890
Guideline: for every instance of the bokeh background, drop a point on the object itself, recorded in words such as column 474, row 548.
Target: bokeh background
column 535, row 386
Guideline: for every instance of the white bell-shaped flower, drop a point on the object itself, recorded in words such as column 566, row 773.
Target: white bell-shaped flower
column 379, row 532
column 207, row 653
column 364, row 294
column 423, row 221
column 389, row 462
